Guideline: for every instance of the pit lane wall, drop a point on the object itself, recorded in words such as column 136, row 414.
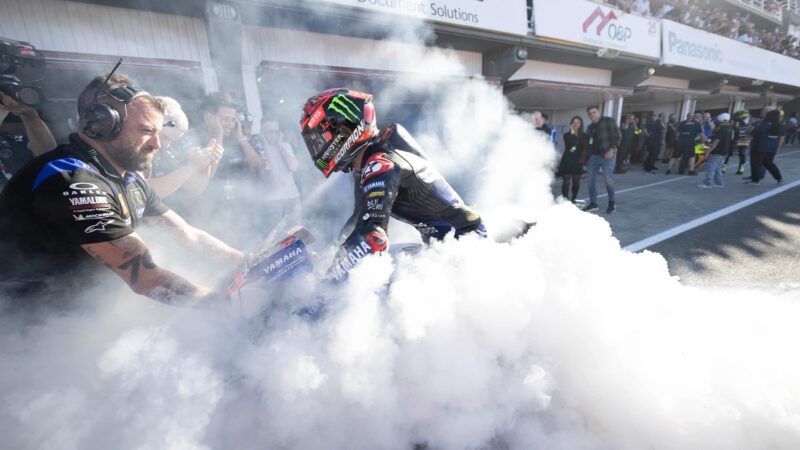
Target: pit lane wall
column 696, row 49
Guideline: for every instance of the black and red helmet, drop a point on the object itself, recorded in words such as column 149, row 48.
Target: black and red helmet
column 336, row 124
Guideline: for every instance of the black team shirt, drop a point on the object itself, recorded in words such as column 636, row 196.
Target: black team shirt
column 59, row 201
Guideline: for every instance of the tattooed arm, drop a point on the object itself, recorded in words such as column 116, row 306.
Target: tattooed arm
column 200, row 241
column 129, row 258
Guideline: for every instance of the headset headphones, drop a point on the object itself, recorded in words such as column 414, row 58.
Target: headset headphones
column 101, row 120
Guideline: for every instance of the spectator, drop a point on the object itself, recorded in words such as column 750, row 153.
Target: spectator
column 690, row 132
column 18, row 147
column 604, row 137
column 233, row 196
column 670, row 138
column 627, row 130
column 741, row 138
column 656, row 144
column 553, row 134
column 280, row 195
column 708, row 125
column 792, row 126
column 570, row 168
column 767, row 140
column 720, row 146
column 541, row 125
column 639, row 138
column 177, row 167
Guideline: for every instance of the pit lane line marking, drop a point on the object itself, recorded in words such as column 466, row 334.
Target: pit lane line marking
column 636, row 188
column 672, row 232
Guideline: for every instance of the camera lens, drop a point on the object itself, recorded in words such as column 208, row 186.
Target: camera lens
column 30, row 96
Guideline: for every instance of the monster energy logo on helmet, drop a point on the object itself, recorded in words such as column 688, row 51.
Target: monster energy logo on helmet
column 341, row 104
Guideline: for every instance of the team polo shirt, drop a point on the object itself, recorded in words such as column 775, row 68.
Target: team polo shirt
column 61, row 200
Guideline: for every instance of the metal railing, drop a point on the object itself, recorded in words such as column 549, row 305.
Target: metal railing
column 760, row 7
column 791, row 5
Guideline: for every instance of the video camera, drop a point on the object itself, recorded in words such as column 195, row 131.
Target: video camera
column 21, row 65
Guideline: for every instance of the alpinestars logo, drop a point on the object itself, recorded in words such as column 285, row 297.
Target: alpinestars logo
column 344, row 106
column 604, row 20
column 99, row 226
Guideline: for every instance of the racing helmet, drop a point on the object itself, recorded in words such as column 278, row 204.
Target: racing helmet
column 741, row 114
column 336, row 125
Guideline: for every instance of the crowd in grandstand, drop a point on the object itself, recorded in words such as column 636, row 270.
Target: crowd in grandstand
column 709, row 16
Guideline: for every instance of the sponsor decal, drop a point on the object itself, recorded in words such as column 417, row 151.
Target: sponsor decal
column 375, row 194
column 425, row 229
column 347, row 262
column 124, row 205
column 92, row 216
column 344, row 106
column 374, row 185
column 99, row 226
column 83, row 187
column 375, row 205
column 693, row 49
column 313, row 121
column 138, row 201
column 285, row 261
column 614, row 31
column 376, row 165
column 350, row 141
column 91, row 200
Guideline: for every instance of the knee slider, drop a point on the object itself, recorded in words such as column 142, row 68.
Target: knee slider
column 377, row 239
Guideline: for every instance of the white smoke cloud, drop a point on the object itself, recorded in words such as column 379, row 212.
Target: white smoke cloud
column 557, row 340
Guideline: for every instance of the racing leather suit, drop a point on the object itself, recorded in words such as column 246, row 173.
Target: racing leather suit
column 397, row 180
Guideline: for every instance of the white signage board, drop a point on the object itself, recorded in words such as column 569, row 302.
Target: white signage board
column 503, row 16
column 596, row 25
column 689, row 47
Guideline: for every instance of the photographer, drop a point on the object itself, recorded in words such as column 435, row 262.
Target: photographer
column 20, row 65
column 70, row 212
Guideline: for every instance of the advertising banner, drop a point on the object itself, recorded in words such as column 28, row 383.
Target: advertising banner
column 696, row 49
column 503, row 16
column 590, row 23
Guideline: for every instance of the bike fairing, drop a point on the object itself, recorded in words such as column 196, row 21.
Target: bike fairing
column 397, row 180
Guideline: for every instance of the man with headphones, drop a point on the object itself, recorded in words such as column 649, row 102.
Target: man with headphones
column 74, row 209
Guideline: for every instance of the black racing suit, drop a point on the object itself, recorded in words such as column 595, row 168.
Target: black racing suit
column 397, row 180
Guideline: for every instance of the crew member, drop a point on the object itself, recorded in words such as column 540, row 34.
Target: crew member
column 72, row 210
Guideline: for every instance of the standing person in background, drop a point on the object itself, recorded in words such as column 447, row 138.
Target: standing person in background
column 708, row 125
column 604, row 137
column 742, row 139
column 689, row 132
column 280, row 195
column 537, row 118
column 720, row 147
column 792, row 126
column 553, row 134
column 176, row 167
column 656, row 145
column 571, row 167
column 230, row 204
column 638, row 141
column 767, row 140
column 17, row 148
column 670, row 140
column 627, row 130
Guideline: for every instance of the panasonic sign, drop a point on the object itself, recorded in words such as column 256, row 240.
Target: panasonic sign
column 693, row 49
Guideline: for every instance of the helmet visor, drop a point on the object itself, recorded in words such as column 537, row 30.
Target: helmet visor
column 318, row 143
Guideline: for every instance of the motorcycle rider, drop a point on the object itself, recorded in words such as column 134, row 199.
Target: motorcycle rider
column 392, row 177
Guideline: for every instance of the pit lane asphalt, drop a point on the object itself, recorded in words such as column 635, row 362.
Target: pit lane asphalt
column 758, row 244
